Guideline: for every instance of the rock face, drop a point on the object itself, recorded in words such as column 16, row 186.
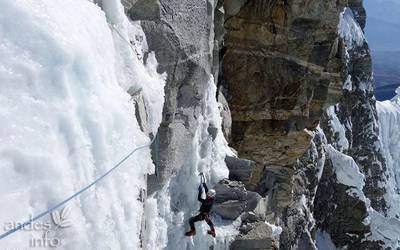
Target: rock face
column 287, row 67
column 331, row 202
column 298, row 218
column 354, row 132
column 180, row 33
column 185, row 40
column 342, row 215
column 233, row 199
column 225, row 115
column 358, row 108
column 239, row 169
column 281, row 68
column 322, row 200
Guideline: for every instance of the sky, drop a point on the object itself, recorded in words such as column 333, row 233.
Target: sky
column 383, row 35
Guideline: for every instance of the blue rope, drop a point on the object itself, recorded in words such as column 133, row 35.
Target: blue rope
column 21, row 226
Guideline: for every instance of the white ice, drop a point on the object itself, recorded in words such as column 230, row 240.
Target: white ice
column 389, row 133
column 350, row 30
column 338, row 129
column 172, row 220
column 346, row 169
column 66, row 118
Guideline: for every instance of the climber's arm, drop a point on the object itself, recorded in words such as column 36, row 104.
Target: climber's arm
column 205, row 188
column 199, row 195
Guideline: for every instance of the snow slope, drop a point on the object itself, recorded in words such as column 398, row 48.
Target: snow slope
column 389, row 123
column 66, row 118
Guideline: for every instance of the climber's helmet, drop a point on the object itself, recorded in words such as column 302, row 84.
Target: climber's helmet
column 211, row 193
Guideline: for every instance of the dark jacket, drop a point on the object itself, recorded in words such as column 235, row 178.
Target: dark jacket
column 206, row 204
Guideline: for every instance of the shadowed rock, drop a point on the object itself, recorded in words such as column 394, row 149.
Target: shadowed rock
column 233, row 199
column 282, row 67
column 239, row 169
column 259, row 236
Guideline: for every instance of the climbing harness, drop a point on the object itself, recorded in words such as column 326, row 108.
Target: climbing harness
column 21, row 226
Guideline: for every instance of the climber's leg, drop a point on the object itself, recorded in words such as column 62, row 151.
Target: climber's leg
column 195, row 219
column 192, row 220
column 209, row 222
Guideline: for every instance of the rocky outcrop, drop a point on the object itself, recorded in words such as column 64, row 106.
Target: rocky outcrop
column 257, row 235
column 342, row 215
column 233, row 199
column 128, row 4
column 281, row 68
column 239, row 169
column 297, row 220
column 225, row 115
column 140, row 109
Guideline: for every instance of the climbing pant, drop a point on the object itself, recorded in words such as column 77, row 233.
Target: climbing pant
column 200, row 217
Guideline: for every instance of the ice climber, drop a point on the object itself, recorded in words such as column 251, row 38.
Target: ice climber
column 205, row 208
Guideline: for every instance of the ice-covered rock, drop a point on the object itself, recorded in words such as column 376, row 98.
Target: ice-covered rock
column 190, row 139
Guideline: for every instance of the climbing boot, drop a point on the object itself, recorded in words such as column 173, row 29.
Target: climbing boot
column 212, row 232
column 191, row 233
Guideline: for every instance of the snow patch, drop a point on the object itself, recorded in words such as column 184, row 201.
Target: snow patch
column 346, row 168
column 389, row 133
column 350, row 30
column 348, row 84
column 384, row 229
column 339, row 130
column 276, row 230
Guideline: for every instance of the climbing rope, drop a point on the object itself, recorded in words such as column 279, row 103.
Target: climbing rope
column 55, row 207
column 126, row 41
